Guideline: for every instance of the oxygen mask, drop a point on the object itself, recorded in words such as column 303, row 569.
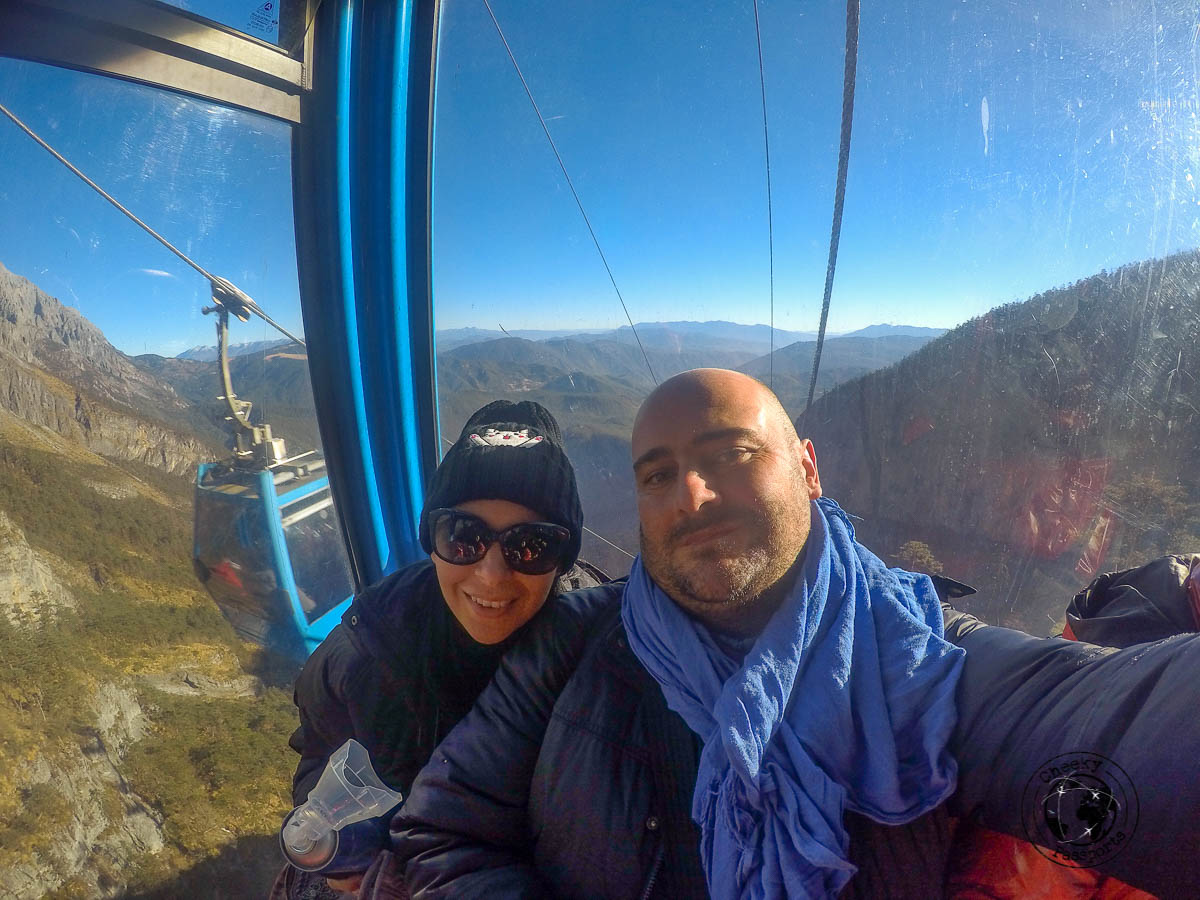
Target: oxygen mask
column 348, row 791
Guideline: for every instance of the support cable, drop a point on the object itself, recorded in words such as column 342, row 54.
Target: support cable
column 224, row 292
column 839, row 197
column 762, row 84
column 571, row 185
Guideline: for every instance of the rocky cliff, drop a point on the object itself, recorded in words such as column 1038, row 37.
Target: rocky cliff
column 77, row 786
column 57, row 370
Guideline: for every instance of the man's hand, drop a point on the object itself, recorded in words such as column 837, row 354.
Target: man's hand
column 347, row 885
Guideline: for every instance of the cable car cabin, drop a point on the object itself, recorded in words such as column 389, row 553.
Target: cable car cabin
column 269, row 550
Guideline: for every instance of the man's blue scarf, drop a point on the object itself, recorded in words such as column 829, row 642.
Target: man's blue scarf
column 846, row 700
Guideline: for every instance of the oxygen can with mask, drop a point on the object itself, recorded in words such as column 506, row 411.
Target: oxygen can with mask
column 348, row 791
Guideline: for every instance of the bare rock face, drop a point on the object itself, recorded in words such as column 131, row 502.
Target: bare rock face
column 30, row 594
column 81, row 787
column 102, row 819
column 119, row 717
column 57, row 370
column 38, row 329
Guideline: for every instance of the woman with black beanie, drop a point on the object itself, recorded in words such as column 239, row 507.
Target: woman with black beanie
column 502, row 523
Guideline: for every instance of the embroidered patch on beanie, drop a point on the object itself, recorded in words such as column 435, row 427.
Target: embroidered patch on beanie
column 494, row 438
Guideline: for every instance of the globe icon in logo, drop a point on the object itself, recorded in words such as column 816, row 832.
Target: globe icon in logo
column 1080, row 809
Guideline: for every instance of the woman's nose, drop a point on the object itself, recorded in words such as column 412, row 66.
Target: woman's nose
column 492, row 567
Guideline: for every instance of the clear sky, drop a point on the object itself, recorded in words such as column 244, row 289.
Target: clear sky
column 999, row 149
column 214, row 181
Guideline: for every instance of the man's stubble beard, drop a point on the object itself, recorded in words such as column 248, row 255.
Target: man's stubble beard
column 742, row 579
column 779, row 528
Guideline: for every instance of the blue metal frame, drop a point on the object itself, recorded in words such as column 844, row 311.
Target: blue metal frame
column 364, row 261
column 304, row 490
column 271, row 505
column 317, row 631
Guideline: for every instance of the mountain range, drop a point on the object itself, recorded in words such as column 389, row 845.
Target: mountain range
column 209, row 354
column 714, row 335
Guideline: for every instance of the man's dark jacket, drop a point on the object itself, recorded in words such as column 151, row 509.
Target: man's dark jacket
column 581, row 786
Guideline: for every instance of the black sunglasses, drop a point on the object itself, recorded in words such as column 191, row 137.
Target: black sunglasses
column 531, row 548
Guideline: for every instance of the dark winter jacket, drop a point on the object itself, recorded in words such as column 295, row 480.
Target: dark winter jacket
column 1148, row 603
column 581, row 786
column 1033, row 709
column 1119, row 609
column 396, row 675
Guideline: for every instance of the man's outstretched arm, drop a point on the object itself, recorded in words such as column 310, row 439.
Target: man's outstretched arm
column 464, row 830
column 1035, row 714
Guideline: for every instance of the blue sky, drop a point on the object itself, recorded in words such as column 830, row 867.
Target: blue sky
column 1089, row 160
column 215, row 182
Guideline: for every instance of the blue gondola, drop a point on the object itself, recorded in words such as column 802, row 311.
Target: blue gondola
column 268, row 548
column 266, row 542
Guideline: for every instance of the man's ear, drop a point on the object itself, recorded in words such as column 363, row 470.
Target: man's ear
column 807, row 458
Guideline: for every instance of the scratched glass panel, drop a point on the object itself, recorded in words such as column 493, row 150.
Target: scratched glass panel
column 123, row 682
column 1007, row 389
column 1026, row 179
column 639, row 244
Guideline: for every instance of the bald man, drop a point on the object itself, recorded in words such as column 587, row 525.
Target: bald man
column 765, row 710
column 723, row 488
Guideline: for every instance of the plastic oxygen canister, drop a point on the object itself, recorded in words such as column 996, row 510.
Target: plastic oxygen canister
column 348, row 791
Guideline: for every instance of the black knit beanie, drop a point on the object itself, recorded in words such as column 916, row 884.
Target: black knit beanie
column 509, row 451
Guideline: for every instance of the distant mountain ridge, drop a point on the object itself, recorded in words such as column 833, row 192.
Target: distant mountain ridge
column 789, row 370
column 209, row 354
column 676, row 336
column 450, row 338
column 885, row 330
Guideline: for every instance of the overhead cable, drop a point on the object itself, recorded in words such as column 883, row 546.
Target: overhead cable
column 762, row 84
column 839, row 196
column 571, row 185
column 222, row 289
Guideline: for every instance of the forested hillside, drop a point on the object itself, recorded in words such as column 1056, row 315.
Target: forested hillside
column 1036, row 445
column 143, row 748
